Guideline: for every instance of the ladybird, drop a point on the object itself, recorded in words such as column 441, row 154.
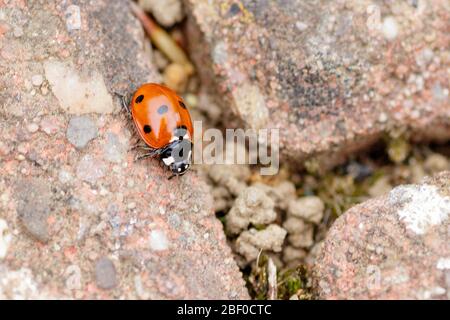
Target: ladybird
column 164, row 124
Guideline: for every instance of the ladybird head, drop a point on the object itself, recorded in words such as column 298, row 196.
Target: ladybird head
column 177, row 156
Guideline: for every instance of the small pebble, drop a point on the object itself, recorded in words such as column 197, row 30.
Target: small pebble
column 33, row 127
column 390, row 28
column 81, row 130
column 18, row 32
column 37, row 80
column 64, row 176
column 166, row 12
column 382, row 117
column 436, row 163
column 158, row 240
column 301, row 26
column 34, row 203
column 105, row 274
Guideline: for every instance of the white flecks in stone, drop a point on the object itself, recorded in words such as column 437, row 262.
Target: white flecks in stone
column 65, row 176
column 19, row 285
column 439, row 93
column 76, row 93
column 73, row 18
column 399, row 276
column 158, row 240
column 301, row 26
column 443, row 264
column 37, row 80
column 219, row 53
column 421, row 206
column 390, row 28
column 32, row 127
column 383, row 117
column 90, row 169
column 18, row 32
column 430, row 293
column 5, row 238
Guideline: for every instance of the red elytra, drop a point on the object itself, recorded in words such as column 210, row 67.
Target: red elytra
column 157, row 112
column 164, row 123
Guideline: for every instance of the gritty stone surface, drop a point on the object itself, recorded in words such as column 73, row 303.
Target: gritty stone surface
column 392, row 247
column 20, row 285
column 90, row 169
column 115, row 148
column 105, row 274
column 81, row 130
column 5, row 238
column 333, row 76
column 69, row 208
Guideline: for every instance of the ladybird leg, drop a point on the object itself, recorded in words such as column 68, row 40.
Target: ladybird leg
column 153, row 153
column 141, row 147
column 173, row 175
column 124, row 100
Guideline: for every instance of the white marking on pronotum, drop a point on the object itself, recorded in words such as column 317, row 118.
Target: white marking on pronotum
column 168, row 161
column 176, row 138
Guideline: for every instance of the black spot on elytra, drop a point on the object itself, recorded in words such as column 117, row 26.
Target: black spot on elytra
column 182, row 104
column 139, row 99
column 163, row 109
column 147, row 128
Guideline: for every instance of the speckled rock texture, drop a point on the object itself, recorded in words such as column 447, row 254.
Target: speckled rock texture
column 78, row 217
column 393, row 247
column 332, row 75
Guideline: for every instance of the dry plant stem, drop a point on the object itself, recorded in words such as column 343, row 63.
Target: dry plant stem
column 272, row 280
column 162, row 40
